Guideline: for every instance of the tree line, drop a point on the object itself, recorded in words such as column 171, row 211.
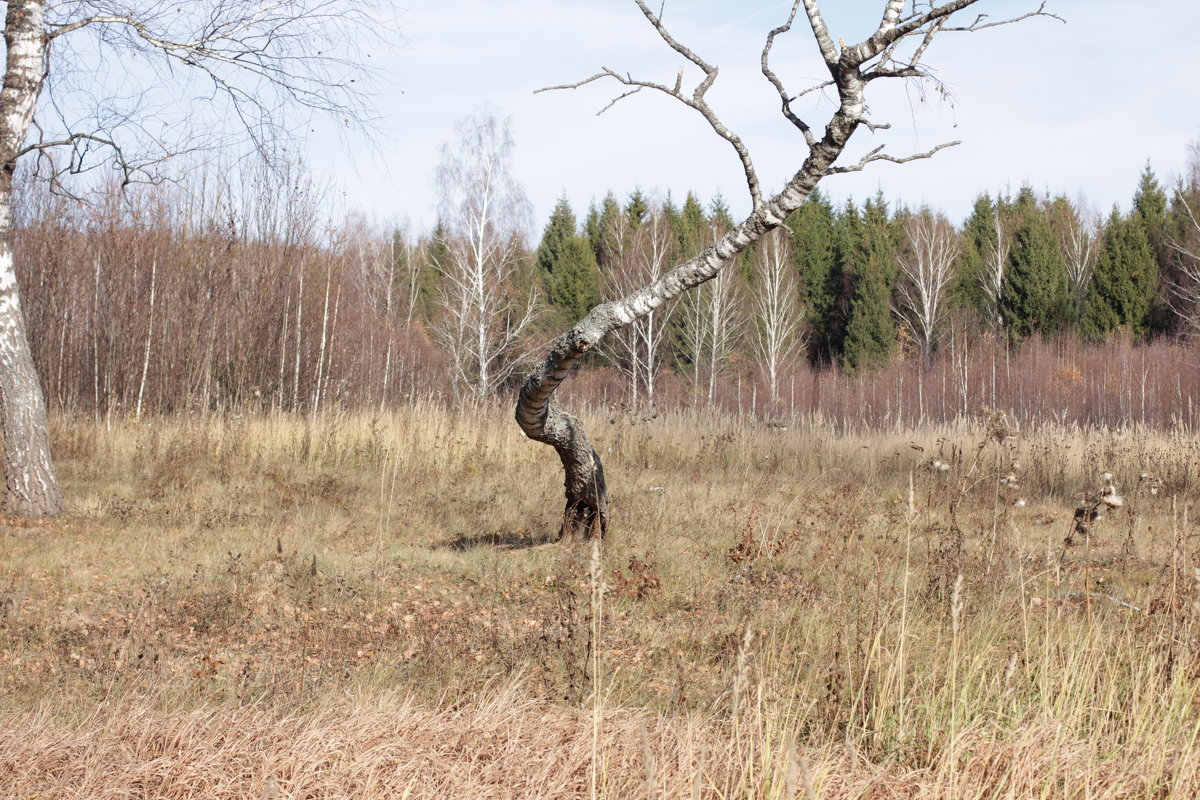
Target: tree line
column 237, row 289
column 856, row 286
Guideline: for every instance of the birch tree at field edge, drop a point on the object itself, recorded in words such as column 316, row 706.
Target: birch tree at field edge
column 484, row 211
column 894, row 50
column 246, row 59
column 927, row 268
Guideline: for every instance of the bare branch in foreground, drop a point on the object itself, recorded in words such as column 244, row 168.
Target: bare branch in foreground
column 695, row 101
column 878, row 155
column 786, row 101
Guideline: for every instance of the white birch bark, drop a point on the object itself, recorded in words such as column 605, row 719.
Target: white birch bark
column 1079, row 239
column 137, row 412
column 723, row 326
column 709, row 326
column 318, row 385
column 31, row 487
column 1184, row 284
column 637, row 349
column 299, row 331
column 995, row 264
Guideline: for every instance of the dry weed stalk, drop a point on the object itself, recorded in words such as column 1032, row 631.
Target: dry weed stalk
column 1089, row 511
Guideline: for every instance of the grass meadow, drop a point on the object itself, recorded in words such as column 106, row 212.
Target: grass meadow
column 373, row 606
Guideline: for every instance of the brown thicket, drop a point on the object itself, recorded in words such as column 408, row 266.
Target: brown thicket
column 207, row 298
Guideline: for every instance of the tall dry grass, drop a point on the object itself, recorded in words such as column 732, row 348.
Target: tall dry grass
column 368, row 606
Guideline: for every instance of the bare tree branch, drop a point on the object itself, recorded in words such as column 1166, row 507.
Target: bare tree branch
column 979, row 24
column 696, row 101
column 249, row 59
column 821, row 34
column 878, row 155
column 786, row 101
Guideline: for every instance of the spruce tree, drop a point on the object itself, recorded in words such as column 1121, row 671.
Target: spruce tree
column 871, row 329
column 599, row 229
column 1124, row 284
column 979, row 239
column 691, row 227
column 567, row 266
column 814, row 252
column 1151, row 207
column 718, row 213
column 1036, row 297
column 559, row 230
column 576, row 288
column 636, row 208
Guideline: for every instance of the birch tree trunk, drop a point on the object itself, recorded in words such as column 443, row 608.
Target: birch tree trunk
column 851, row 68
column 777, row 313
column 927, row 270
column 31, row 486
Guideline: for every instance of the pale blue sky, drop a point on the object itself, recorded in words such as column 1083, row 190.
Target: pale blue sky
column 1074, row 108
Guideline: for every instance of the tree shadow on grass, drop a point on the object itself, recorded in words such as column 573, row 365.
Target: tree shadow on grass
column 502, row 540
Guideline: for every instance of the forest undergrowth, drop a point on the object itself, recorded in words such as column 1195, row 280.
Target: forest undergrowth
column 374, row 606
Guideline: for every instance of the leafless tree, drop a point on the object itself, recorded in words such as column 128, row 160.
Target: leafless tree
column 777, row 316
column 240, row 60
column 995, row 264
column 1184, row 279
column 642, row 256
column 711, row 326
column 895, row 49
column 485, row 213
column 926, row 269
column 1078, row 229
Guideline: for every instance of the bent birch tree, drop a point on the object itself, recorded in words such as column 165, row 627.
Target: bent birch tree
column 894, row 50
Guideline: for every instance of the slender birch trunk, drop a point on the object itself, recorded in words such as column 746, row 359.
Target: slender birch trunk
column 324, row 335
column 299, row 321
column 96, row 337
column 137, row 413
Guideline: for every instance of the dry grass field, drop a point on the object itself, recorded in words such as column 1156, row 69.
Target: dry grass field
column 370, row 607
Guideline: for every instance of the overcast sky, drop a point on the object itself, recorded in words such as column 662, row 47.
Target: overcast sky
column 1068, row 108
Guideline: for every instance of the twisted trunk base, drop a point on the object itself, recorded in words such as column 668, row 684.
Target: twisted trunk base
column 586, row 512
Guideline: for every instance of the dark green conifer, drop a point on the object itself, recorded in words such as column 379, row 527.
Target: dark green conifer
column 1151, row 206
column 567, row 266
column 1125, row 280
column 1036, row 297
column 600, row 227
column 979, row 240
column 871, row 328
column 815, row 254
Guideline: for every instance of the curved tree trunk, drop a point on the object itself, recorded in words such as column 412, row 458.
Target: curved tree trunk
column 587, row 501
column 586, row 512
